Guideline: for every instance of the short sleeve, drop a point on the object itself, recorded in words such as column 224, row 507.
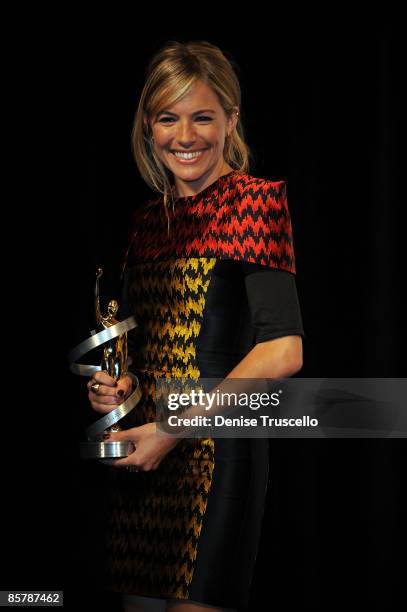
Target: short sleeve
column 257, row 227
column 273, row 302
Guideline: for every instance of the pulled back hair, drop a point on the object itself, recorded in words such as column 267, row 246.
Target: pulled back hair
column 171, row 74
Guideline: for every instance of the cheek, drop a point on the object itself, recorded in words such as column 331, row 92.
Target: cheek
column 214, row 136
column 161, row 134
column 160, row 137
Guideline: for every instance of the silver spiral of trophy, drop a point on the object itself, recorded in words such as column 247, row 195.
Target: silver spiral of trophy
column 112, row 334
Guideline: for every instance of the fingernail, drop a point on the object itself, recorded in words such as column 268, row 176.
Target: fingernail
column 120, row 392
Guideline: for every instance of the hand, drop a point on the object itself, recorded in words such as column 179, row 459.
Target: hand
column 150, row 448
column 110, row 394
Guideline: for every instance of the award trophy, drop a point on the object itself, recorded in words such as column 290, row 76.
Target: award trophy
column 112, row 334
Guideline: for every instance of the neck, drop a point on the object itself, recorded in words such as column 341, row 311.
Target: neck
column 189, row 188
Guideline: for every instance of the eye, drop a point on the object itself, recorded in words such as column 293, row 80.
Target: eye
column 199, row 118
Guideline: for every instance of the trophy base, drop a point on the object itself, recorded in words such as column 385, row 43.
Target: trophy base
column 106, row 450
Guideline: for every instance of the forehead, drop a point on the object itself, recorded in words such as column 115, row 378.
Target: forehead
column 199, row 97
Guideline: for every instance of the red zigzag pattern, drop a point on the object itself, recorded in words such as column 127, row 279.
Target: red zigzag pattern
column 238, row 217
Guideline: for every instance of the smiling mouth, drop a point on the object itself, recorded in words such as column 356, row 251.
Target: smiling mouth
column 188, row 155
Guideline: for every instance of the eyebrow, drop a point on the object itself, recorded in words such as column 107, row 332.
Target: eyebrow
column 203, row 110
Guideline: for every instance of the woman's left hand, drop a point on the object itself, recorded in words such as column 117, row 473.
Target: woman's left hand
column 150, row 448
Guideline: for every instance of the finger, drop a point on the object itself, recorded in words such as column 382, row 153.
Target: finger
column 121, row 462
column 104, row 399
column 103, row 390
column 126, row 434
column 103, row 408
column 104, row 379
column 125, row 384
column 123, row 389
column 125, row 462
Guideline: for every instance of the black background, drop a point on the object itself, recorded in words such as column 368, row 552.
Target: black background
column 321, row 109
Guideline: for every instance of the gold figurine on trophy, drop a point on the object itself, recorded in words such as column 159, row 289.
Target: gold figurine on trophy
column 114, row 360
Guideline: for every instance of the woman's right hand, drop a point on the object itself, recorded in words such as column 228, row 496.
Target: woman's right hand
column 110, row 394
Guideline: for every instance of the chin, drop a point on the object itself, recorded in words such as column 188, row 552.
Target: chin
column 189, row 172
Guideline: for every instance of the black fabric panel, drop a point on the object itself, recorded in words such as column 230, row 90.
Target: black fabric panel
column 232, row 526
column 273, row 302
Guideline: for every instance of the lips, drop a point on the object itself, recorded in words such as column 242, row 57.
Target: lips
column 189, row 160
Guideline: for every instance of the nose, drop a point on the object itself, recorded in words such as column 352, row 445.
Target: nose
column 185, row 134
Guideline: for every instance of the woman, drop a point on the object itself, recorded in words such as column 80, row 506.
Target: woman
column 209, row 276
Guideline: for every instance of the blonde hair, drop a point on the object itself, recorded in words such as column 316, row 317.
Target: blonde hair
column 171, row 74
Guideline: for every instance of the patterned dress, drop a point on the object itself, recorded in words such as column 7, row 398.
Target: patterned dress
column 203, row 296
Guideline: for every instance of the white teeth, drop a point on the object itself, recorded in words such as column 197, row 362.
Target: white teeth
column 188, row 155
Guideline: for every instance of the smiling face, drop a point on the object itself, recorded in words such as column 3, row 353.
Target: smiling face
column 189, row 138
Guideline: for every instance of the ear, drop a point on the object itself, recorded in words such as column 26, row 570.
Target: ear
column 233, row 119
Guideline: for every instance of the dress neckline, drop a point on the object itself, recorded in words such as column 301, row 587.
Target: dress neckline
column 203, row 192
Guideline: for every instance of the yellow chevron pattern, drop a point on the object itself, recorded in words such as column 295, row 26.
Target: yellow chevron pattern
column 156, row 517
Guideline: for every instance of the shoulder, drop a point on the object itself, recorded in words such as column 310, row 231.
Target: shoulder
column 257, row 224
column 143, row 211
column 140, row 218
column 257, row 195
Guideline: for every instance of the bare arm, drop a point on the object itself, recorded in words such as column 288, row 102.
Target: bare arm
column 277, row 358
